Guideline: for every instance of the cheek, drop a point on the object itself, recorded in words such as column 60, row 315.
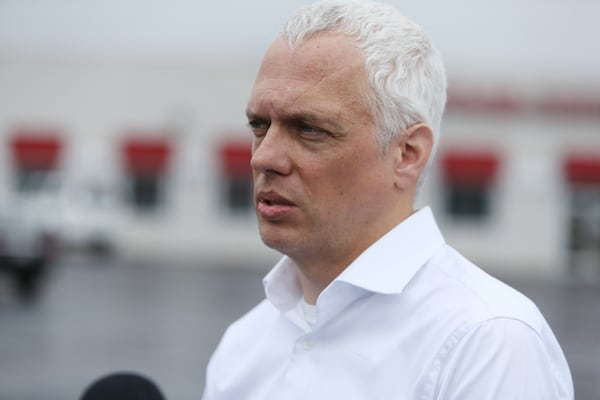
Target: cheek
column 344, row 176
column 341, row 180
column 364, row 178
column 326, row 186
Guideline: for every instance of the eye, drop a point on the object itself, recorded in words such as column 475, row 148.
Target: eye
column 310, row 130
column 258, row 127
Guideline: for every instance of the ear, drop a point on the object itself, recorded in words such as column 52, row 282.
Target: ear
column 412, row 150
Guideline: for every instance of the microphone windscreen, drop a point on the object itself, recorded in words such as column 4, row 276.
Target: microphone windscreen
column 122, row 386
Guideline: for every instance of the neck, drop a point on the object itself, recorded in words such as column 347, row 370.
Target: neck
column 314, row 279
column 317, row 272
column 319, row 268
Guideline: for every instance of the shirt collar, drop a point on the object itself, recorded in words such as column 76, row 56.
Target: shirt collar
column 392, row 261
column 385, row 267
column 282, row 286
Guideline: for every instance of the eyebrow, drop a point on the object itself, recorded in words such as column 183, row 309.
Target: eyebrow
column 251, row 115
column 307, row 116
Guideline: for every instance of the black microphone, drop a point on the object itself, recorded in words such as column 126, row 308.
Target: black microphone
column 122, row 386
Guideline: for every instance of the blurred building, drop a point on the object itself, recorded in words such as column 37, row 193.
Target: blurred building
column 155, row 158
column 518, row 178
column 122, row 127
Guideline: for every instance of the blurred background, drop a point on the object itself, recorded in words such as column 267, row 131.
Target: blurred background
column 127, row 235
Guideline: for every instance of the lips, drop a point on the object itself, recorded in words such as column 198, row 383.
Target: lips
column 271, row 205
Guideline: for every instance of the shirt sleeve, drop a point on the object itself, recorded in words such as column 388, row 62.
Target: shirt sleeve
column 504, row 358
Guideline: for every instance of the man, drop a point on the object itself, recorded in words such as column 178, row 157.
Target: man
column 368, row 302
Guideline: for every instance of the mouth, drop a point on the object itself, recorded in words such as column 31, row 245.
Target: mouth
column 274, row 199
column 271, row 205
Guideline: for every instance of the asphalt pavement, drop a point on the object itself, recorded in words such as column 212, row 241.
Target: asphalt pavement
column 163, row 318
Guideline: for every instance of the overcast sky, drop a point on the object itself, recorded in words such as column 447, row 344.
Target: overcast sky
column 534, row 38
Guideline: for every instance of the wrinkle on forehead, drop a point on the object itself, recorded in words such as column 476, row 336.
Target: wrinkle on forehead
column 324, row 56
column 325, row 64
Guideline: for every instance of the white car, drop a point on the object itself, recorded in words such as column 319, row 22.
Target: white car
column 87, row 214
column 26, row 248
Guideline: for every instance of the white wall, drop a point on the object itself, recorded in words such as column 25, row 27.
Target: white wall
column 97, row 103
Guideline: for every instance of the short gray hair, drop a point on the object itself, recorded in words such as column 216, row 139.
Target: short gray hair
column 407, row 80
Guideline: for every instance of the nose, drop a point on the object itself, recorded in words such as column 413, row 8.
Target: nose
column 270, row 152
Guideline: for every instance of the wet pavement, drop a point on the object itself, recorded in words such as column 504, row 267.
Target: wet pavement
column 163, row 319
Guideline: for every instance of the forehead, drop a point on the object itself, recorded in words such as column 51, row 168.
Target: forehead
column 326, row 67
column 320, row 55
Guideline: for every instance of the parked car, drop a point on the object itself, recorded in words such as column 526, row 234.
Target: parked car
column 90, row 216
column 26, row 247
column 86, row 213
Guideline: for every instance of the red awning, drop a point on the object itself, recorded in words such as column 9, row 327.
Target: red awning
column 497, row 102
column 146, row 156
column 571, row 105
column 472, row 168
column 36, row 149
column 583, row 168
column 235, row 159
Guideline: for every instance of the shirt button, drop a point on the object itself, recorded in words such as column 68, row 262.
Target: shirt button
column 308, row 344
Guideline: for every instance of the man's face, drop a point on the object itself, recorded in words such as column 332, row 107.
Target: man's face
column 323, row 189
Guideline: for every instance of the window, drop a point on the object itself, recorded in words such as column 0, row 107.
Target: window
column 234, row 157
column 36, row 155
column 145, row 192
column 146, row 162
column 467, row 201
column 468, row 179
column 583, row 175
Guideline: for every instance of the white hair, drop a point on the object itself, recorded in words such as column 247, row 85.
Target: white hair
column 406, row 76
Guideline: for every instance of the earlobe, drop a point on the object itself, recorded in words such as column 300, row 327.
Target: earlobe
column 413, row 149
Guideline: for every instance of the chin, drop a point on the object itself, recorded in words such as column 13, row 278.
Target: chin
column 276, row 239
column 274, row 243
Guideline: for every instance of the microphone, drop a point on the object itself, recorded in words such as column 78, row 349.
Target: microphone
column 122, row 386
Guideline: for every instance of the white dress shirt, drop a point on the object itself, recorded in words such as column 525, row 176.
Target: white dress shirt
column 409, row 319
